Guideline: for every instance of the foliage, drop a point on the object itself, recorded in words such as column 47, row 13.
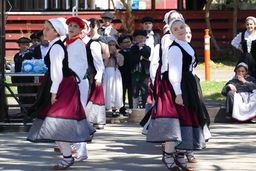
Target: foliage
column 14, row 89
column 212, row 89
column 226, row 54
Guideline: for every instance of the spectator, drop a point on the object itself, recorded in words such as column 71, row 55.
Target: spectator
column 139, row 56
column 125, row 42
column 112, row 79
column 23, row 54
column 41, row 50
column 35, row 41
column 240, row 93
column 106, row 30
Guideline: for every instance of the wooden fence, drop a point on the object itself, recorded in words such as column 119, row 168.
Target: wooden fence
column 24, row 24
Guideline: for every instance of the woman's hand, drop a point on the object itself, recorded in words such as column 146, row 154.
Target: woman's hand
column 98, row 83
column 53, row 99
column 179, row 100
column 232, row 87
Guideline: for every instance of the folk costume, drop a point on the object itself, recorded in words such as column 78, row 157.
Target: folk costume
column 95, row 108
column 242, row 102
column 140, row 71
column 112, row 80
column 247, row 42
column 62, row 120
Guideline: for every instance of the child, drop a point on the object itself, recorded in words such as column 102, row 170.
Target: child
column 125, row 42
column 112, row 79
column 78, row 63
column 236, row 90
column 23, row 54
column 95, row 108
column 139, row 57
column 106, row 29
column 246, row 43
column 58, row 110
column 35, row 41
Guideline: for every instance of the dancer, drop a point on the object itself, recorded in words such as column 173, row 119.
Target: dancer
column 95, row 108
column 59, row 113
column 246, row 43
column 183, row 123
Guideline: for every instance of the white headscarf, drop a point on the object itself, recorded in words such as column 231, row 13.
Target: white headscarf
column 171, row 23
column 166, row 16
column 252, row 18
column 58, row 26
column 88, row 25
column 63, row 20
column 242, row 64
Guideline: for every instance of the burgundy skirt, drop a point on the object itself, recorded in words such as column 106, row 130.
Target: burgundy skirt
column 65, row 120
column 95, row 108
column 171, row 122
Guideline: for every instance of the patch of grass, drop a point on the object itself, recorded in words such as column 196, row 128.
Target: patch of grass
column 14, row 89
column 229, row 65
column 212, row 89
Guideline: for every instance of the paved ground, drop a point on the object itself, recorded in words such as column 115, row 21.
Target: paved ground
column 216, row 75
column 122, row 147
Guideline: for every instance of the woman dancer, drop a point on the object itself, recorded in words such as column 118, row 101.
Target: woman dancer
column 58, row 110
column 182, row 124
column 246, row 43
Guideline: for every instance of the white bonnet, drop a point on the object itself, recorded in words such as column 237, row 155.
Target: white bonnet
column 63, row 20
column 58, row 26
column 88, row 25
column 175, row 20
column 242, row 64
column 251, row 17
column 166, row 16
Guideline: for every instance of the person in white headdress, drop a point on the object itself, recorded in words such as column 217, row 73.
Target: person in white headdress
column 246, row 43
column 180, row 118
column 60, row 116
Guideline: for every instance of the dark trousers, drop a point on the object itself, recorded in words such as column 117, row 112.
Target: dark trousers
column 140, row 89
column 127, row 87
column 230, row 101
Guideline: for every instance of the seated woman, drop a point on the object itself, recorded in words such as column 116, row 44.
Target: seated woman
column 241, row 94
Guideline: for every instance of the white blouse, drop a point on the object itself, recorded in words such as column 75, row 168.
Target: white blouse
column 77, row 58
column 166, row 41
column 175, row 64
column 97, row 59
column 56, row 57
column 236, row 42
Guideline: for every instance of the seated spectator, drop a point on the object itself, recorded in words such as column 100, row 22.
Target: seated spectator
column 241, row 95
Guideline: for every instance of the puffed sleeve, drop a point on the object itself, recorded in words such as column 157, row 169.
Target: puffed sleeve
column 175, row 68
column 97, row 59
column 56, row 58
column 236, row 42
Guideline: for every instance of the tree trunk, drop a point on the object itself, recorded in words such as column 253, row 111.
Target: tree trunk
column 208, row 24
column 127, row 19
column 235, row 22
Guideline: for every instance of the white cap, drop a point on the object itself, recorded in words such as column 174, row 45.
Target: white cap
column 171, row 23
column 58, row 26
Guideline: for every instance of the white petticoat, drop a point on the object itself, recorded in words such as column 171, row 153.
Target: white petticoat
column 113, row 88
